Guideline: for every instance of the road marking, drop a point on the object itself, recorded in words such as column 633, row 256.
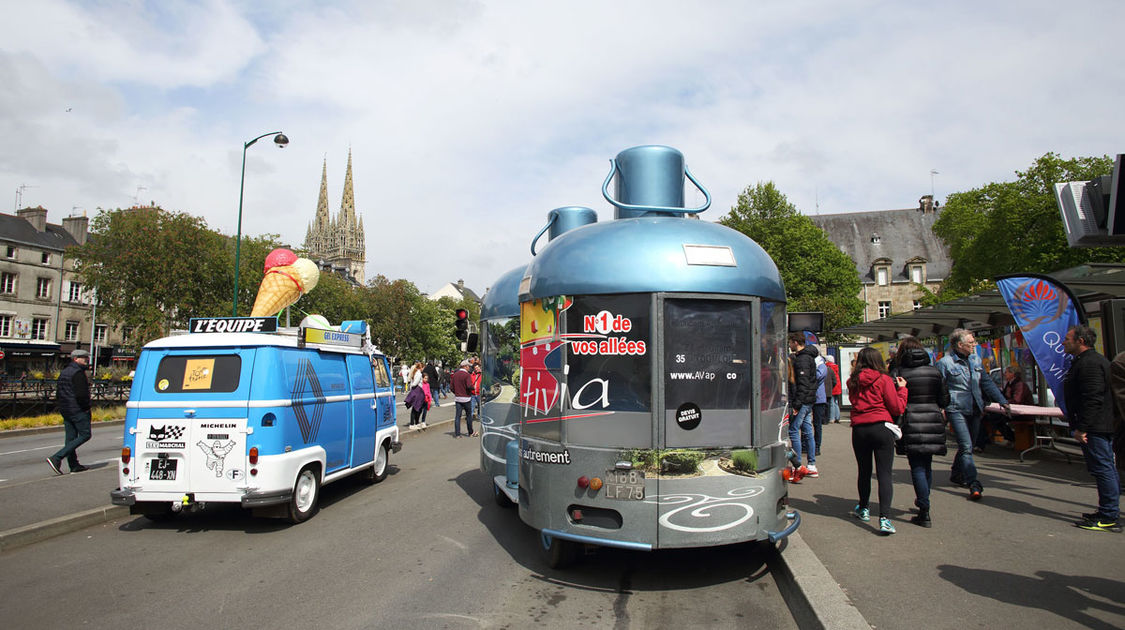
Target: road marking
column 28, row 450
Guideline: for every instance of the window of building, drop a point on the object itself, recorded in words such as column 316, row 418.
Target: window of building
column 5, row 325
column 40, row 328
column 46, row 258
column 99, row 334
column 11, row 252
column 43, row 288
column 882, row 276
column 884, row 309
column 7, row 283
column 75, row 292
column 126, row 334
column 72, row 331
column 916, row 275
column 917, row 305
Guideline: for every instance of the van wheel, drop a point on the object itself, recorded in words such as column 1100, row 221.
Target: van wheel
column 560, row 553
column 378, row 470
column 306, row 496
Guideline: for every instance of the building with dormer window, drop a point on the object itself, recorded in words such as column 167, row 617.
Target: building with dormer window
column 895, row 253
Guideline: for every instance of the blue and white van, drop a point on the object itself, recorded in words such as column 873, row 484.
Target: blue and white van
column 239, row 411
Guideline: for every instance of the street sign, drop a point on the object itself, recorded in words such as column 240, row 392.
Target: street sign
column 1, row 354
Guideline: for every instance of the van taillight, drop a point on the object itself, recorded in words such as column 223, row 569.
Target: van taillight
column 254, row 455
column 125, row 455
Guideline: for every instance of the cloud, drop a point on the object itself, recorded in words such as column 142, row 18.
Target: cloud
column 470, row 121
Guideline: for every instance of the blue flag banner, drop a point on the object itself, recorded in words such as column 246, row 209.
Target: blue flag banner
column 1044, row 310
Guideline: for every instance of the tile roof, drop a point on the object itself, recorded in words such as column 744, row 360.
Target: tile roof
column 903, row 235
column 19, row 230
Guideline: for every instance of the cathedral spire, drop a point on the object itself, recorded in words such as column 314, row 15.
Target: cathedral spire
column 347, row 205
column 322, row 216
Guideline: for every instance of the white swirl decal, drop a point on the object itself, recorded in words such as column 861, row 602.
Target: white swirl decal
column 490, row 430
column 702, row 506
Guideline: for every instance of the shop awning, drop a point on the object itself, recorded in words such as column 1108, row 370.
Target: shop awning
column 20, row 349
column 1090, row 284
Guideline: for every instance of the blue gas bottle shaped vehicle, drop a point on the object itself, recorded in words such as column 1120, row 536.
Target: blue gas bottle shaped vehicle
column 634, row 373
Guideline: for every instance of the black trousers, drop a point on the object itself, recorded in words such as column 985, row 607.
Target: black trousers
column 874, row 441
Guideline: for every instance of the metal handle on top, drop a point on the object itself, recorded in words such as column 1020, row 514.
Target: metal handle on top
column 627, row 206
column 554, row 216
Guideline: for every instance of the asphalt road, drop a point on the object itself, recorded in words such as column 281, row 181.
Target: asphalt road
column 427, row 548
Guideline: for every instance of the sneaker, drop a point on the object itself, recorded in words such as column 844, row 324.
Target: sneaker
column 818, row 452
column 55, row 465
column 976, row 491
column 813, row 471
column 862, row 513
column 475, row 434
column 423, row 425
column 79, row 468
column 957, row 480
column 885, row 526
column 1099, row 524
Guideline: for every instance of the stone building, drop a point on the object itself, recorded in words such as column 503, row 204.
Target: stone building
column 45, row 311
column 337, row 243
column 895, row 252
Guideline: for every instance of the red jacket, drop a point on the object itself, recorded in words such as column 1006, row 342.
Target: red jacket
column 836, row 390
column 875, row 398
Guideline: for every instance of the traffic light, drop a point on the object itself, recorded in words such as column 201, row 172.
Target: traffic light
column 461, row 325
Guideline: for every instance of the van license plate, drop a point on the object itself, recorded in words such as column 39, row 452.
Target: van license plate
column 628, row 485
column 162, row 469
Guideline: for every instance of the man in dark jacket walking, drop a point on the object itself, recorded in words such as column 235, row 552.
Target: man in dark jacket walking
column 73, row 399
column 802, row 396
column 1089, row 408
column 462, row 397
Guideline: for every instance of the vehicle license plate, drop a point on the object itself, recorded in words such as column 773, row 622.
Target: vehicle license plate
column 163, row 470
column 628, row 485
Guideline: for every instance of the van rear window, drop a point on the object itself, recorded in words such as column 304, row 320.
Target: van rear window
column 217, row 373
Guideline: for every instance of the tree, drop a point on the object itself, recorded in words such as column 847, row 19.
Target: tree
column 393, row 307
column 152, row 270
column 1013, row 227
column 817, row 275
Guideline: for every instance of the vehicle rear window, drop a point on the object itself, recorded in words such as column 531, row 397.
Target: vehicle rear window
column 198, row 374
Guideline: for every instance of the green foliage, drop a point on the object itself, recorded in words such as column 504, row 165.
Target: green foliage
column 672, row 461
column 745, row 460
column 817, row 275
column 1014, row 227
column 153, row 269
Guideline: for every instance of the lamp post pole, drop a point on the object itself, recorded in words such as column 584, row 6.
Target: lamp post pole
column 280, row 140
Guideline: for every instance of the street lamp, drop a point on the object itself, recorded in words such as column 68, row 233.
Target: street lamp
column 280, row 140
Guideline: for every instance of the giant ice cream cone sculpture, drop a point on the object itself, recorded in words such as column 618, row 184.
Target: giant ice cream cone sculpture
column 284, row 284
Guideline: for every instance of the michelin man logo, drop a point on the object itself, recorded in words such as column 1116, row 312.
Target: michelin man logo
column 216, row 453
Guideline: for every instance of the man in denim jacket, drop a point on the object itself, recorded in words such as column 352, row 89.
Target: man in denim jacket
column 968, row 385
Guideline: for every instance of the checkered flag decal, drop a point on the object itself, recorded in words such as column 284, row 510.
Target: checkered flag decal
column 174, row 433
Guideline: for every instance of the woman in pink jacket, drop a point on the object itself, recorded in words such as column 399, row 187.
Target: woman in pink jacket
column 877, row 400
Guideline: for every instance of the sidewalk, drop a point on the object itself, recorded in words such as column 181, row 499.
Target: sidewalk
column 1014, row 559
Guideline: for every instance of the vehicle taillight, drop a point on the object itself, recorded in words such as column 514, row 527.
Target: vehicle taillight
column 583, row 482
column 125, row 455
column 596, row 484
column 254, row 456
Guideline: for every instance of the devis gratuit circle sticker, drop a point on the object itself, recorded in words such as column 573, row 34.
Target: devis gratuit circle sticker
column 162, row 384
column 688, row 416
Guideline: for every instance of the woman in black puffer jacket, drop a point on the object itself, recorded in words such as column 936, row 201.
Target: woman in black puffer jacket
column 923, row 424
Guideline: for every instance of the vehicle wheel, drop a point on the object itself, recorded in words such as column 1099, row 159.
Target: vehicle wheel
column 560, row 553
column 378, row 470
column 306, row 496
column 157, row 512
column 501, row 499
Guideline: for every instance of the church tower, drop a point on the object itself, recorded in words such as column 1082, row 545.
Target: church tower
column 338, row 241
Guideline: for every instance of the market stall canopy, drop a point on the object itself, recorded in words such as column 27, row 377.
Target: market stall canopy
column 1089, row 283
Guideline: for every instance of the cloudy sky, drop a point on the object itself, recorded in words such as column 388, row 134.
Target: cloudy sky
column 469, row 120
